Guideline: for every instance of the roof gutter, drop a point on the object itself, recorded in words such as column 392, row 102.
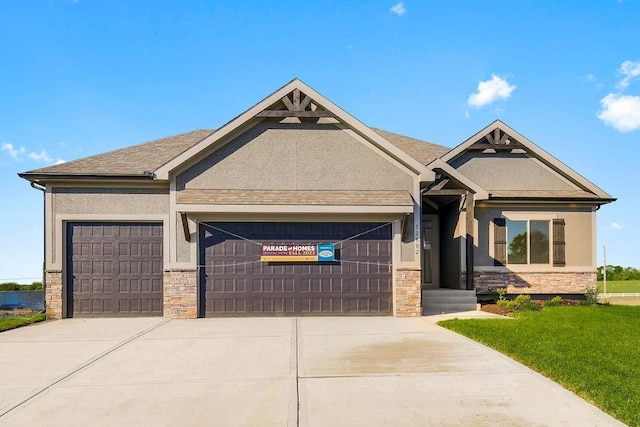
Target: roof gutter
column 524, row 199
column 37, row 177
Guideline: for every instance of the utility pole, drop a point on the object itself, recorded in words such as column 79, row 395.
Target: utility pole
column 604, row 269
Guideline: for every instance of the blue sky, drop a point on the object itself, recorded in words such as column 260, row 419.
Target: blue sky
column 80, row 77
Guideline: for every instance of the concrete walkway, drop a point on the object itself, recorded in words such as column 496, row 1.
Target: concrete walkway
column 271, row 372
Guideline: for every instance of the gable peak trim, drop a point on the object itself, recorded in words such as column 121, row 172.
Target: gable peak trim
column 295, row 104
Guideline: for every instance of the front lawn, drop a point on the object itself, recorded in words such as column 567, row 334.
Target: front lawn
column 620, row 286
column 12, row 322
column 590, row 350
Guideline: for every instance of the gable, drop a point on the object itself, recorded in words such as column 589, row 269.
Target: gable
column 295, row 103
column 510, row 171
column 508, row 165
column 295, row 156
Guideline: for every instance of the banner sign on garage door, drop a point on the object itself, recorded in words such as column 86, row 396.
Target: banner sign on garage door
column 297, row 253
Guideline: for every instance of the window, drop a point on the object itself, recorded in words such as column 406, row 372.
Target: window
column 527, row 242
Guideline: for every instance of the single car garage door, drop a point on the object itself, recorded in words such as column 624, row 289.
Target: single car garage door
column 114, row 269
column 234, row 282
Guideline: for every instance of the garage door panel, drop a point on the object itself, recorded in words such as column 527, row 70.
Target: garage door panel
column 114, row 269
column 363, row 265
column 107, row 286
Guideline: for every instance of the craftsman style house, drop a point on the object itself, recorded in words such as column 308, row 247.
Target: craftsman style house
column 296, row 208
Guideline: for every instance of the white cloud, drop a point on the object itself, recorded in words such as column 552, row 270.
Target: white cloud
column 42, row 156
column 622, row 112
column 398, row 9
column 629, row 70
column 14, row 152
column 490, row 91
column 591, row 78
column 616, row 226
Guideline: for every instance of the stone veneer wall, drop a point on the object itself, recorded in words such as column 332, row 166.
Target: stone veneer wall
column 407, row 292
column 536, row 283
column 180, row 294
column 53, row 294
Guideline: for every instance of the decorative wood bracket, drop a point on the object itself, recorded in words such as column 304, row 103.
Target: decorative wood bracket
column 185, row 226
column 405, row 227
column 296, row 107
column 496, row 140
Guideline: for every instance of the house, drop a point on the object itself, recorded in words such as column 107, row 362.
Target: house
column 297, row 208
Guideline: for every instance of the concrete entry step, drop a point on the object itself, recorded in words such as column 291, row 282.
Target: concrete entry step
column 448, row 300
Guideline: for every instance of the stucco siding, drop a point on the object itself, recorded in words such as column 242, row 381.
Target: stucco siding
column 510, row 172
column 110, row 200
column 579, row 238
column 97, row 204
column 276, row 156
column 578, row 232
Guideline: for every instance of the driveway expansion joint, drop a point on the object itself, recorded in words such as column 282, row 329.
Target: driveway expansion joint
column 82, row 366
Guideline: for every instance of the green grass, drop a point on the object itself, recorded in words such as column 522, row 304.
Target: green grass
column 17, row 321
column 591, row 350
column 13, row 286
column 620, row 286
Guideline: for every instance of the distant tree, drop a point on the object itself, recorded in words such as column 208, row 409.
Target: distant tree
column 617, row 273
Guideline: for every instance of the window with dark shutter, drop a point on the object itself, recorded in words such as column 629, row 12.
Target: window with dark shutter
column 558, row 243
column 500, row 241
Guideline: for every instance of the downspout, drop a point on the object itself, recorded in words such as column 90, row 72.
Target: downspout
column 44, row 236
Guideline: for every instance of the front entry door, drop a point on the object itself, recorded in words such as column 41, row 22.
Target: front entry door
column 430, row 252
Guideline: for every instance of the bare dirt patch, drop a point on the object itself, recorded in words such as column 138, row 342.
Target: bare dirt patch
column 621, row 300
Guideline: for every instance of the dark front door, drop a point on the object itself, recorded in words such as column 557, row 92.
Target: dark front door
column 114, row 269
column 234, row 282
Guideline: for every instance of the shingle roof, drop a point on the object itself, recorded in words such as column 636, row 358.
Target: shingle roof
column 151, row 155
column 295, row 197
column 133, row 160
column 424, row 152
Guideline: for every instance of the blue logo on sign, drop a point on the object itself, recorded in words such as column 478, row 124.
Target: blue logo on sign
column 326, row 252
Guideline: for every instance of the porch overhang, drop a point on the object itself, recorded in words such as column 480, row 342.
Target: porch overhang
column 464, row 183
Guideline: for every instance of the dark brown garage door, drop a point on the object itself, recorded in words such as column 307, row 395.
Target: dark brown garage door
column 114, row 269
column 233, row 281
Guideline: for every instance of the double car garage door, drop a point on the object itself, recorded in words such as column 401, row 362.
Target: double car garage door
column 115, row 269
column 234, row 282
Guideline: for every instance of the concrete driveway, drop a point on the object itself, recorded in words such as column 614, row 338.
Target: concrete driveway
column 271, row 372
